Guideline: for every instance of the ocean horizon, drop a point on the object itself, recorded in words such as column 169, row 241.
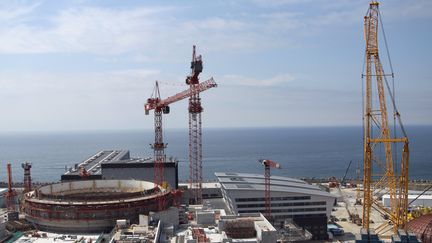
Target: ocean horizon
column 303, row 152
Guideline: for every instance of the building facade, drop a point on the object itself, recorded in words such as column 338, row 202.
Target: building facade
column 291, row 199
column 119, row 165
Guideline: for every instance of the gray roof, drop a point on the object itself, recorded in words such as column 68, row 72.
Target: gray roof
column 245, row 181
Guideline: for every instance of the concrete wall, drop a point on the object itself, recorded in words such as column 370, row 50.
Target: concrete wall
column 128, row 185
column 205, row 217
column 140, row 173
column 2, row 229
column 265, row 231
column 167, row 217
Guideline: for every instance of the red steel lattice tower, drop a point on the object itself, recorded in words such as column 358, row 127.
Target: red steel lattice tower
column 158, row 146
column 27, row 177
column 10, row 194
column 161, row 106
column 195, row 134
column 267, row 196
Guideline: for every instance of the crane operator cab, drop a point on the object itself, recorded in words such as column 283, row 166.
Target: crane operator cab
column 197, row 67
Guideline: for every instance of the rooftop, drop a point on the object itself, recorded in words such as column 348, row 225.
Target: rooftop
column 45, row 237
column 246, row 181
column 93, row 163
column 110, row 159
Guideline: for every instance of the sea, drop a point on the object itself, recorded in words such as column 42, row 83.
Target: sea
column 303, row 152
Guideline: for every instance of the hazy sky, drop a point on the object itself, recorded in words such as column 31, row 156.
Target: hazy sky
column 71, row 65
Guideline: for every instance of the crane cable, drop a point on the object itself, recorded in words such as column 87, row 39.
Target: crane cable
column 391, row 93
column 427, row 189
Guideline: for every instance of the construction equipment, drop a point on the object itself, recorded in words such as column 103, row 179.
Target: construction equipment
column 267, row 197
column 84, row 174
column 358, row 197
column 27, row 176
column 377, row 135
column 158, row 146
column 195, row 135
column 162, row 106
column 334, row 183
column 346, row 172
column 11, row 193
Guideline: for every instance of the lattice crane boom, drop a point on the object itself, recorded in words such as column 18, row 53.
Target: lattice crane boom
column 154, row 103
column 268, row 164
column 377, row 133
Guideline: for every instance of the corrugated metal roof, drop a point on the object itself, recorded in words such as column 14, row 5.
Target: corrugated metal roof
column 422, row 227
column 233, row 181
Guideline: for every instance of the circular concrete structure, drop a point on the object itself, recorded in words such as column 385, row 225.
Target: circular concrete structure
column 91, row 205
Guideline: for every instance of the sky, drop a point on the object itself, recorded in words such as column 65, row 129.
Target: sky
column 85, row 65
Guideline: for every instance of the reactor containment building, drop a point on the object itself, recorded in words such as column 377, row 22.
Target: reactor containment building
column 91, row 205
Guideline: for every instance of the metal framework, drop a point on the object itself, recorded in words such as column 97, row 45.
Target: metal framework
column 162, row 106
column 158, row 146
column 27, row 177
column 267, row 196
column 377, row 135
column 195, row 134
column 10, row 194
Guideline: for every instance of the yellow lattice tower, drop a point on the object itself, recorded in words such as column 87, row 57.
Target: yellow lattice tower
column 377, row 135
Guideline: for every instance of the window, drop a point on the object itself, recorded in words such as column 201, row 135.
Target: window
column 243, row 186
column 290, row 210
column 273, row 199
column 281, row 204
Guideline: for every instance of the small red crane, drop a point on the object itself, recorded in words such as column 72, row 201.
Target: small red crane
column 267, row 197
column 162, row 106
column 10, row 194
column 27, row 176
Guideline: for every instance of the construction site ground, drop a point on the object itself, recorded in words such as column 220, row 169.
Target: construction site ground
column 343, row 220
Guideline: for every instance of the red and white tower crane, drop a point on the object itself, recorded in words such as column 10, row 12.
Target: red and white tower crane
column 162, row 106
column 195, row 134
column 267, row 197
column 158, row 146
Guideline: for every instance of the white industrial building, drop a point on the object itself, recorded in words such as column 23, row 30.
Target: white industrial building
column 421, row 201
column 307, row 205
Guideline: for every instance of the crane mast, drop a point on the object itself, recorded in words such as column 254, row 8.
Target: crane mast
column 159, row 147
column 195, row 134
column 11, row 193
column 377, row 134
column 268, row 164
column 161, row 106
column 27, row 176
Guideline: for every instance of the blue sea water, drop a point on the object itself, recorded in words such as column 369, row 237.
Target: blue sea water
column 302, row 152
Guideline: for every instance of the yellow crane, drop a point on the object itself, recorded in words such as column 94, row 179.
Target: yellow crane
column 377, row 135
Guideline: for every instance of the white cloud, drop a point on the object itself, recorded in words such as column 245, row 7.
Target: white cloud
column 248, row 81
column 49, row 100
column 92, row 30
column 154, row 31
column 15, row 11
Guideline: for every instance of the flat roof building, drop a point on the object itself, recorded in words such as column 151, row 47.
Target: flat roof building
column 307, row 205
column 420, row 200
column 118, row 165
